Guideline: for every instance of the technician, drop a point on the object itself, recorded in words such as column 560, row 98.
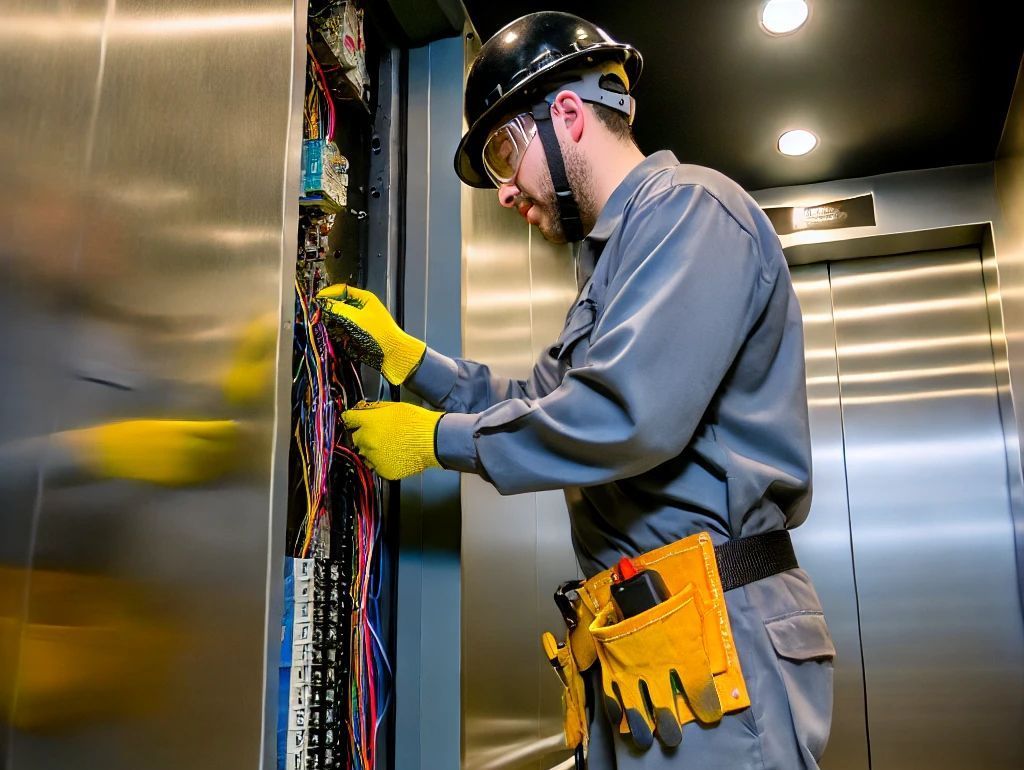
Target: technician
column 672, row 410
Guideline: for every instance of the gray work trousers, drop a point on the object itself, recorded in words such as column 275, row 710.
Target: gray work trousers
column 786, row 654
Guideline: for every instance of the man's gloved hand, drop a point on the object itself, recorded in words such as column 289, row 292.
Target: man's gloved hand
column 169, row 452
column 373, row 336
column 396, row 439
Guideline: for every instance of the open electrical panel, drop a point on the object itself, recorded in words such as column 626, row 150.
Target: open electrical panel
column 335, row 670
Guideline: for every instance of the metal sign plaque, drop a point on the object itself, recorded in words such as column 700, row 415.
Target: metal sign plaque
column 849, row 212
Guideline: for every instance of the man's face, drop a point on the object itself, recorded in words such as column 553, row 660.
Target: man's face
column 532, row 194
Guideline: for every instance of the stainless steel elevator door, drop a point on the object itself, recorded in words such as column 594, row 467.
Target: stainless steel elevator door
column 823, row 542
column 929, row 514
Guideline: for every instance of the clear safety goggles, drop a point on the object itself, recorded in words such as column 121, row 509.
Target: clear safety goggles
column 506, row 146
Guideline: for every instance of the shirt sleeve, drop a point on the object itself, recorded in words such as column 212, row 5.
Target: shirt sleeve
column 690, row 287
column 458, row 385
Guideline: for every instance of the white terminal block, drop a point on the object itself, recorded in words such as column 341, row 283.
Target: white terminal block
column 299, row 696
column 302, row 633
column 303, row 579
column 302, row 654
column 296, row 756
column 299, row 689
column 297, row 740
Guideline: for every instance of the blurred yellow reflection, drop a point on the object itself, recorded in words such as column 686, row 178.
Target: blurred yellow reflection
column 93, row 647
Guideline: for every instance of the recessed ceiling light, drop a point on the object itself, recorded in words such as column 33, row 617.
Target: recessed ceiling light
column 779, row 17
column 797, row 142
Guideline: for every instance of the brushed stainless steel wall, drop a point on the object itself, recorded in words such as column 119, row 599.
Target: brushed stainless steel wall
column 930, row 513
column 517, row 289
column 1009, row 266
column 516, row 549
column 906, row 425
column 823, row 542
column 922, row 207
column 149, row 162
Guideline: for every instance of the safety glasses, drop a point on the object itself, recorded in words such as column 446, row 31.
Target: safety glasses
column 506, row 146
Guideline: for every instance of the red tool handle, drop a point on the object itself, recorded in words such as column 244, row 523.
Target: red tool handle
column 625, row 568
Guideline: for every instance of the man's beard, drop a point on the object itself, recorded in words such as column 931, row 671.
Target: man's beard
column 578, row 173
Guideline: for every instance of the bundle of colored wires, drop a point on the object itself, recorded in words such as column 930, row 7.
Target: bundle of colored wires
column 328, row 384
column 315, row 420
column 319, row 89
column 311, row 109
column 370, row 671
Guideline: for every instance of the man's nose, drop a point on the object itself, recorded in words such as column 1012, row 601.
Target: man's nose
column 507, row 195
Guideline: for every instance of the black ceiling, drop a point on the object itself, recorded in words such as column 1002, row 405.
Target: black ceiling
column 887, row 85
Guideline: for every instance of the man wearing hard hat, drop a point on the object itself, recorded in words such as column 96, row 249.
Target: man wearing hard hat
column 672, row 410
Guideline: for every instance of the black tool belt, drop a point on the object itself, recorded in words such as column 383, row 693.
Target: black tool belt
column 749, row 559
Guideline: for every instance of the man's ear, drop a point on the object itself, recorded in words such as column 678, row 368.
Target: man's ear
column 568, row 111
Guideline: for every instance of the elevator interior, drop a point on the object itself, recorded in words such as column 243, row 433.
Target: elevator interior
column 148, row 213
column 914, row 536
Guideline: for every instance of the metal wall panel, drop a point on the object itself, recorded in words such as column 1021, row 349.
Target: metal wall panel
column 429, row 607
column 1009, row 285
column 43, row 163
column 823, row 542
column 152, row 155
column 932, row 530
column 516, row 291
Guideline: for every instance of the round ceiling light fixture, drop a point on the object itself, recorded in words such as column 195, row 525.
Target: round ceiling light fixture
column 780, row 17
column 797, row 142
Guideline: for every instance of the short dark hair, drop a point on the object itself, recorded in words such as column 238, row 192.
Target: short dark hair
column 614, row 121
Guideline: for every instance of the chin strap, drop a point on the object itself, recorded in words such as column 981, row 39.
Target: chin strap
column 568, row 210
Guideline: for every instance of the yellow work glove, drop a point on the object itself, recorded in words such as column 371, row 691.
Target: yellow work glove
column 651, row 661
column 360, row 320
column 396, row 439
column 169, row 452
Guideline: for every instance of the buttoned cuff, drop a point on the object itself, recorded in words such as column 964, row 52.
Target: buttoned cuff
column 455, row 447
column 434, row 378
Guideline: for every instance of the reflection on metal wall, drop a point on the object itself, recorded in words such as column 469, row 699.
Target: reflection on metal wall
column 930, row 511
column 823, row 541
column 904, row 402
column 931, row 209
column 1009, row 237
column 142, row 203
column 517, row 289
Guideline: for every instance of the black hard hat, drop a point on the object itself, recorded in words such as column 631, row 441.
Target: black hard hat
column 520, row 65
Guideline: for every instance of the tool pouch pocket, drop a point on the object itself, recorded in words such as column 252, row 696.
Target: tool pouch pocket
column 656, row 672
column 676, row 662
column 574, row 714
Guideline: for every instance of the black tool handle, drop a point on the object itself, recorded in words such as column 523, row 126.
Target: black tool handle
column 644, row 590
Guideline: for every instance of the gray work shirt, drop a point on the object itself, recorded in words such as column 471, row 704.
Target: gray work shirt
column 674, row 400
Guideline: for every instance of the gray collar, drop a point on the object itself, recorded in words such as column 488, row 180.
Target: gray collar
column 611, row 215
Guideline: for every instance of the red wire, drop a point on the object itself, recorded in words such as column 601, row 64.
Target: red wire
column 327, row 93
